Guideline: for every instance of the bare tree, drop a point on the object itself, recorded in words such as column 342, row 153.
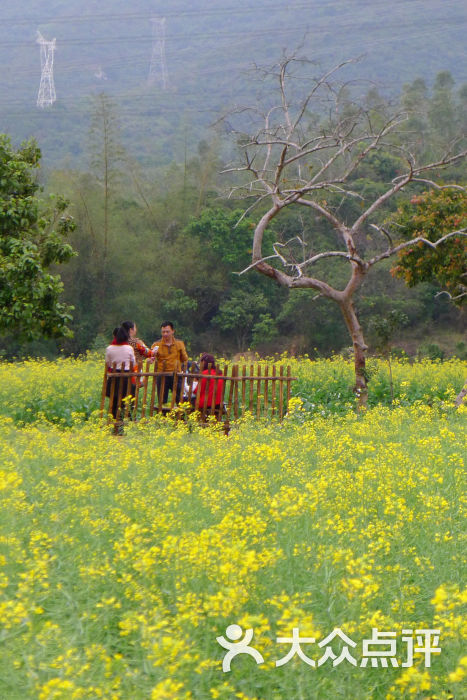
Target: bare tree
column 293, row 157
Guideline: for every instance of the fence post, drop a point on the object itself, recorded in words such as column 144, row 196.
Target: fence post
column 229, row 405
column 161, row 389
column 266, row 400
column 281, row 392
column 224, row 385
column 104, row 392
column 118, row 384
column 258, row 393
column 273, row 391
column 289, row 386
column 174, row 389
column 243, row 390
column 145, row 391
column 250, row 402
column 112, row 391
column 236, row 392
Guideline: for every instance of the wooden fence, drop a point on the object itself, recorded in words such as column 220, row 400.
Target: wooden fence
column 263, row 390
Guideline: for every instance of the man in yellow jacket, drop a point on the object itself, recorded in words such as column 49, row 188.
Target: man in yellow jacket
column 170, row 354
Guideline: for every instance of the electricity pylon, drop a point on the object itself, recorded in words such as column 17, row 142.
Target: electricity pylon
column 46, row 95
column 158, row 67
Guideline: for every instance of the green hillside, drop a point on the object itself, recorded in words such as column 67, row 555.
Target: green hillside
column 107, row 46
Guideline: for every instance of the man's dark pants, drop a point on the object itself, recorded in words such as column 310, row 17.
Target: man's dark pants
column 168, row 385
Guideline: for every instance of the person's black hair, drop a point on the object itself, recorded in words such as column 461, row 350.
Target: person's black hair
column 115, row 331
column 167, row 323
column 207, row 360
column 128, row 325
column 121, row 336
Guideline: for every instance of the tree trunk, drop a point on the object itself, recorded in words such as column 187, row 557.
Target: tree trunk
column 359, row 350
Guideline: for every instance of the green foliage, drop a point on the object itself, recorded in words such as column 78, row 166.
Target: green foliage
column 442, row 110
column 179, row 308
column 325, row 386
column 430, row 350
column 32, row 238
column 241, row 313
column 461, row 350
column 264, row 330
column 178, row 304
column 435, row 119
column 384, row 328
column 224, row 233
column 155, row 240
column 432, row 215
column 62, row 392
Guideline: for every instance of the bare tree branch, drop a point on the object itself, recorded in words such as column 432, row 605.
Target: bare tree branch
column 419, row 239
column 336, row 223
column 458, row 296
column 318, row 84
column 384, row 232
column 436, row 186
column 251, row 207
column 329, row 254
column 401, row 181
column 256, row 263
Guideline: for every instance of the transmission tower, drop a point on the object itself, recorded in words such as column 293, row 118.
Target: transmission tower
column 158, row 67
column 46, row 96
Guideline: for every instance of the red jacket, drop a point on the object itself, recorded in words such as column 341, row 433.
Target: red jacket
column 201, row 390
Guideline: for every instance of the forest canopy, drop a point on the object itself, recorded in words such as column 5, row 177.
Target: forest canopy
column 164, row 241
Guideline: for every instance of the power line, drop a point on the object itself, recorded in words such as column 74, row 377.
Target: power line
column 64, row 68
column 215, row 68
column 213, row 11
column 458, row 22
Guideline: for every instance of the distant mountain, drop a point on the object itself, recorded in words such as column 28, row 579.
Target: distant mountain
column 172, row 76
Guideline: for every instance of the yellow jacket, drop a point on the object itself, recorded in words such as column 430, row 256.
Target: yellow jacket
column 170, row 357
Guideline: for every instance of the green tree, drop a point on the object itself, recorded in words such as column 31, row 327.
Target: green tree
column 433, row 215
column 179, row 308
column 442, row 109
column 32, row 239
column 462, row 109
column 415, row 102
column 221, row 231
column 384, row 328
column 244, row 314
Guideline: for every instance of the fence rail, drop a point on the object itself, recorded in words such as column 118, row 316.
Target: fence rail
column 263, row 390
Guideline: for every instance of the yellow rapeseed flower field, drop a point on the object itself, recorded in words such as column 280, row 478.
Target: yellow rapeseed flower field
column 124, row 560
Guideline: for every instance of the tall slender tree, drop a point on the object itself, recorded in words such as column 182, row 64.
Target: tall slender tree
column 106, row 166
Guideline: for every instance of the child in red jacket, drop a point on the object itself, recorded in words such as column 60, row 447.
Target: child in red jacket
column 208, row 389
